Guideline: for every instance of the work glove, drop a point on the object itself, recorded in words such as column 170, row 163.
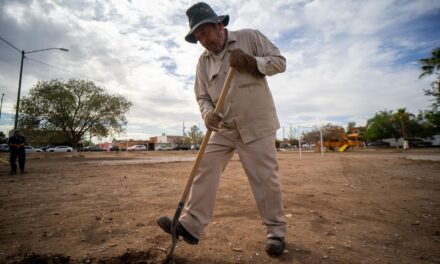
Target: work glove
column 244, row 62
column 212, row 121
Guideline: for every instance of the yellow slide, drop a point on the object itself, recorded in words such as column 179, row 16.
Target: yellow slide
column 343, row 148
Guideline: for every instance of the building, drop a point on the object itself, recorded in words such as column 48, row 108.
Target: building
column 165, row 139
column 124, row 144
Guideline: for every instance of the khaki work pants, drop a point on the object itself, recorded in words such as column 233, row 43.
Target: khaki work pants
column 260, row 163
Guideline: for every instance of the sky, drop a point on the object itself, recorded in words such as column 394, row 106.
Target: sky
column 346, row 59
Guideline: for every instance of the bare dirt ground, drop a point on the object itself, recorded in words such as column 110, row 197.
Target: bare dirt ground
column 354, row 207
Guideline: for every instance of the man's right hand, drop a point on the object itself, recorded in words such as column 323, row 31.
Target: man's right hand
column 212, row 121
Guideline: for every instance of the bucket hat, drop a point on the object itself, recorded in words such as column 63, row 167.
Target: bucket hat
column 199, row 14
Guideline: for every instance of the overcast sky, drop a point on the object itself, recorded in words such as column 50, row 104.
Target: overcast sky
column 346, row 59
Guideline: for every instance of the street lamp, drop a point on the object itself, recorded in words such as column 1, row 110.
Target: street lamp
column 1, row 105
column 21, row 73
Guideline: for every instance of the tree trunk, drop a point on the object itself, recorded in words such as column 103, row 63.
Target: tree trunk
column 405, row 144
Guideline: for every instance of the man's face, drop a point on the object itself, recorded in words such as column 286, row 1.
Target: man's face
column 211, row 36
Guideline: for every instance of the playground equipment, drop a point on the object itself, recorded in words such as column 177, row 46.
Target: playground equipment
column 341, row 141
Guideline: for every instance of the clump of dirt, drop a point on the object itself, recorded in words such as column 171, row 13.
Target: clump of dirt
column 44, row 259
column 138, row 257
column 129, row 257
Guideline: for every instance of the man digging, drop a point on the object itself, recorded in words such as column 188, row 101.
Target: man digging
column 247, row 123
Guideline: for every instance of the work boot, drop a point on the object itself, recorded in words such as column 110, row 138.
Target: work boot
column 165, row 223
column 275, row 246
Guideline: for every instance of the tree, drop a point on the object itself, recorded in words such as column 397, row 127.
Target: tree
column 402, row 118
column 195, row 135
column 291, row 136
column 350, row 127
column 380, row 126
column 332, row 132
column 74, row 107
column 3, row 138
column 421, row 126
column 431, row 66
column 311, row 136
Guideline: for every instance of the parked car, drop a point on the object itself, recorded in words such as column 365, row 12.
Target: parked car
column 30, row 149
column 163, row 147
column 93, row 149
column 4, row 148
column 137, row 148
column 181, row 147
column 195, row 147
column 114, row 148
column 378, row 143
column 285, row 145
column 418, row 142
column 60, row 149
column 308, row 145
column 45, row 148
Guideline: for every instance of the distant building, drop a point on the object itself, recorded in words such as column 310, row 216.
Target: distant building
column 124, row 144
column 105, row 145
column 170, row 139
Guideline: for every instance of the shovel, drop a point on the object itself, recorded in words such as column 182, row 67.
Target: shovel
column 218, row 107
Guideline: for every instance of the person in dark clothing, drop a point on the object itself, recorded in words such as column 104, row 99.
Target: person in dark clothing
column 17, row 150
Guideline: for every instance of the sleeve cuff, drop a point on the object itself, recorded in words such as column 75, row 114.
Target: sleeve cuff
column 261, row 64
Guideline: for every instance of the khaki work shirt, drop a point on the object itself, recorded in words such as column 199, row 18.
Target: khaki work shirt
column 249, row 111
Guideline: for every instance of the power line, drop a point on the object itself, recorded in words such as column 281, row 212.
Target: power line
column 61, row 69
column 49, row 65
column 10, row 44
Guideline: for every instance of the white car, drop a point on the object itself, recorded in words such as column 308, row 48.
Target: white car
column 60, row 149
column 30, row 149
column 137, row 148
column 163, row 147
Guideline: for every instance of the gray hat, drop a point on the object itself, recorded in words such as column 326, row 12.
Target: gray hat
column 199, row 14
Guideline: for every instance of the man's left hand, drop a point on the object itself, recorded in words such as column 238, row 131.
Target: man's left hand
column 244, row 62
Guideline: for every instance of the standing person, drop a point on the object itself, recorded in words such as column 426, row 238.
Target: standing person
column 17, row 150
column 247, row 123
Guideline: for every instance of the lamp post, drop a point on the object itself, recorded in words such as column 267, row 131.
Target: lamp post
column 1, row 106
column 21, row 74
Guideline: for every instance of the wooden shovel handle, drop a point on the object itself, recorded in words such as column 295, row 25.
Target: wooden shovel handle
column 218, row 107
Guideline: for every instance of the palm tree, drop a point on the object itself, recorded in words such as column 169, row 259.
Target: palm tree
column 431, row 66
column 402, row 117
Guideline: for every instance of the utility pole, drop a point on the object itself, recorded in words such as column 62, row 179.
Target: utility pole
column 22, row 52
column 1, row 105
column 282, row 140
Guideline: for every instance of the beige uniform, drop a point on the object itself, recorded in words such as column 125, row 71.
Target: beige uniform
column 249, row 125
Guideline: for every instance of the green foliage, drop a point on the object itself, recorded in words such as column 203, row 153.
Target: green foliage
column 3, row 138
column 292, row 140
column 431, row 66
column 380, row 126
column 73, row 108
column 195, row 135
column 401, row 119
column 350, row 127
column 389, row 124
column 425, row 125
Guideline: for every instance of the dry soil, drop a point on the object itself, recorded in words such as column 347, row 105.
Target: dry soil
column 356, row 207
